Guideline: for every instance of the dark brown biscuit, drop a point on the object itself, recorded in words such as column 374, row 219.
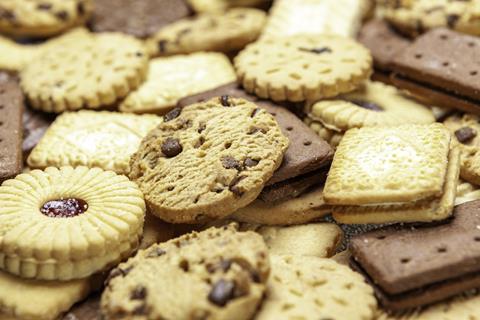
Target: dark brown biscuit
column 445, row 61
column 35, row 124
column 11, row 110
column 307, row 151
column 384, row 43
column 140, row 18
column 421, row 265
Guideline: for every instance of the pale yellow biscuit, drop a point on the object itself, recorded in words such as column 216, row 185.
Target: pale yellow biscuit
column 208, row 159
column 302, row 286
column 466, row 192
column 87, row 71
column 307, row 207
column 42, row 18
column 41, row 300
column 79, row 222
column 303, row 67
column 172, row 78
column 291, row 17
column 389, row 165
column 93, row 139
column 315, row 239
column 224, row 32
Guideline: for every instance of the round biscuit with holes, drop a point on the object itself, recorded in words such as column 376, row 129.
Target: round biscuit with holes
column 303, row 67
column 302, row 286
column 208, row 159
column 84, row 70
column 42, row 18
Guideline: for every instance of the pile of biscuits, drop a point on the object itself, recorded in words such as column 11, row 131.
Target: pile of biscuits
column 239, row 159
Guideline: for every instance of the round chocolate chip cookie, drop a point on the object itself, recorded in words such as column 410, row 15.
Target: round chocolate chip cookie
column 215, row 274
column 208, row 159
column 42, row 18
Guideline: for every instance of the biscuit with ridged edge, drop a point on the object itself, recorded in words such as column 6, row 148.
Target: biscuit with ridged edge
column 93, row 139
column 224, row 32
column 90, row 71
column 434, row 209
column 218, row 273
column 42, row 18
column 208, row 159
column 79, row 222
column 399, row 164
column 466, row 132
column 303, row 67
column 374, row 104
column 302, row 286
column 171, row 78
column 331, row 136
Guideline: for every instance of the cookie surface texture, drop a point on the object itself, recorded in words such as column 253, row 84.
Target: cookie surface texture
column 170, row 79
column 81, row 220
column 42, row 18
column 220, row 273
column 93, row 139
column 228, row 147
column 303, row 67
column 294, row 291
column 224, row 32
column 86, row 71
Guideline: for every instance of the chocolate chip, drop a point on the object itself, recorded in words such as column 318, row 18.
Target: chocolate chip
column 157, row 252
column 367, row 104
column 201, row 127
column 225, row 101
column 139, row 293
column 172, row 114
column 231, row 163
column 254, row 113
column 225, row 265
column 316, row 50
column 254, row 130
column 162, row 46
column 465, row 134
column 233, row 187
column 81, row 8
column 171, row 147
column 222, row 292
column 118, row 272
column 249, row 162
column 452, row 20
column 62, row 15
column 44, row 6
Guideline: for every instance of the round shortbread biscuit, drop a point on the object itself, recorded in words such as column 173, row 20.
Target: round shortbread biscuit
column 84, row 71
column 302, row 286
column 303, row 67
column 42, row 18
column 218, row 273
column 375, row 104
column 62, row 224
column 208, row 159
column 466, row 131
column 224, row 32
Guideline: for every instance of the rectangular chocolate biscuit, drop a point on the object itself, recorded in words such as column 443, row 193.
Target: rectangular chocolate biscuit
column 11, row 110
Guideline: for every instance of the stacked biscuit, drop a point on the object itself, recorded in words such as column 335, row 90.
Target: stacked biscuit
column 214, row 159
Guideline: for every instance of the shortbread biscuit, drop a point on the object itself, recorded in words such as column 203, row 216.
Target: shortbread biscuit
column 79, row 222
column 306, row 207
column 302, row 286
column 86, row 71
column 93, row 139
column 224, row 32
column 292, row 17
column 42, row 18
column 208, row 159
column 170, row 79
column 374, row 104
column 14, row 56
column 303, row 67
column 315, row 239
column 41, row 300
column 466, row 130
column 218, row 273
column 331, row 136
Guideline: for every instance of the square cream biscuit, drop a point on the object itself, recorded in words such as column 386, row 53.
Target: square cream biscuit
column 389, row 165
column 93, row 139
column 172, row 78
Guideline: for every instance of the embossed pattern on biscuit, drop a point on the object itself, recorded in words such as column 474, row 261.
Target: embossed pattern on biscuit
column 62, row 224
column 208, row 159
